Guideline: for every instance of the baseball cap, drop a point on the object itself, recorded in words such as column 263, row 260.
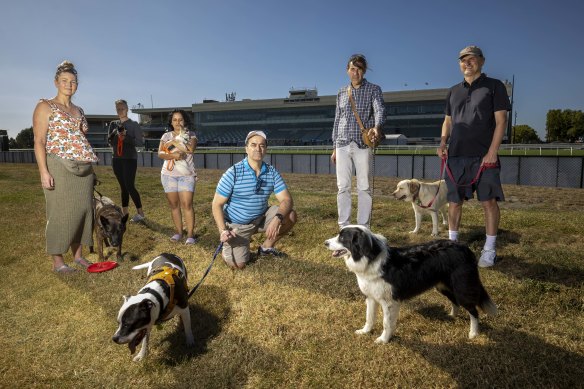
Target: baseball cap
column 254, row 133
column 470, row 50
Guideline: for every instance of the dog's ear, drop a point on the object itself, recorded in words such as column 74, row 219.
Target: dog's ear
column 414, row 186
column 125, row 218
column 364, row 244
column 104, row 220
column 359, row 241
column 373, row 247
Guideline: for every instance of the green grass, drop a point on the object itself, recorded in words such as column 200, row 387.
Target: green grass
column 291, row 322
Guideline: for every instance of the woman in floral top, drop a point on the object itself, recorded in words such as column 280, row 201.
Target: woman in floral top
column 65, row 157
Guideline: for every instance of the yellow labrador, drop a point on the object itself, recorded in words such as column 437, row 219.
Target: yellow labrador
column 426, row 197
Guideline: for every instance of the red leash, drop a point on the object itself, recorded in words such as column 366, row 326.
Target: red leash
column 483, row 167
column 442, row 166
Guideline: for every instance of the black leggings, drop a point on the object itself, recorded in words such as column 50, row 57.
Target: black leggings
column 125, row 171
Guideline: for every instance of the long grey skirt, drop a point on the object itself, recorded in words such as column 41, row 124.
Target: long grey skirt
column 69, row 209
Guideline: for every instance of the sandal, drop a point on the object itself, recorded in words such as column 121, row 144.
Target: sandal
column 83, row 262
column 176, row 237
column 64, row 269
column 190, row 241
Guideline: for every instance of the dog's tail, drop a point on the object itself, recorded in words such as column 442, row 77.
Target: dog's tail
column 486, row 304
column 142, row 266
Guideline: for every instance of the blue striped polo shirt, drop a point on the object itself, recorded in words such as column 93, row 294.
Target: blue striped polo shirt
column 248, row 195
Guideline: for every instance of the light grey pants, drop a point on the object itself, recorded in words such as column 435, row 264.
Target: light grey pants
column 348, row 157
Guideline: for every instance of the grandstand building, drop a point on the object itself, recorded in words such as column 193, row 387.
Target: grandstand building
column 301, row 118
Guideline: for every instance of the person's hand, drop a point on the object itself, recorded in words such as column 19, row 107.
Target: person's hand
column 442, row 151
column 373, row 134
column 273, row 228
column 47, row 181
column 226, row 235
column 334, row 156
column 490, row 159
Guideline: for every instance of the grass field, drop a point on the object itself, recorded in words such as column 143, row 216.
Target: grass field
column 290, row 322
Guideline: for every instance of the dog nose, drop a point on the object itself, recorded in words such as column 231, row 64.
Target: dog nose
column 116, row 338
column 326, row 243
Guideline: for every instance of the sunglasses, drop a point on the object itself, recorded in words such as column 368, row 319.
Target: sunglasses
column 258, row 186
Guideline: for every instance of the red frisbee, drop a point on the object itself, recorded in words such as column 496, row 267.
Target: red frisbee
column 99, row 267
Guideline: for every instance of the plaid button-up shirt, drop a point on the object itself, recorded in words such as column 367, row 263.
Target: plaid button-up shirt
column 370, row 107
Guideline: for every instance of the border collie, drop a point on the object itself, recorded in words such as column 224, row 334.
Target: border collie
column 389, row 275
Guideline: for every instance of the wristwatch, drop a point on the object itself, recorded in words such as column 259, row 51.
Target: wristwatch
column 280, row 216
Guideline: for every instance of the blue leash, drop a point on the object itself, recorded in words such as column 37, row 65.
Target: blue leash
column 208, row 270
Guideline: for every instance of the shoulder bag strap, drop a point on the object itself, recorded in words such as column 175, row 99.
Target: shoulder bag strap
column 355, row 109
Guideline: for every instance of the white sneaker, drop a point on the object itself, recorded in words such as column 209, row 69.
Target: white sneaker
column 137, row 218
column 488, row 258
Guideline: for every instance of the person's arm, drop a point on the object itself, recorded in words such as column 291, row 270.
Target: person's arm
column 286, row 204
column 378, row 104
column 336, row 129
column 500, row 126
column 162, row 154
column 442, row 151
column 40, row 125
column 193, row 144
column 217, row 208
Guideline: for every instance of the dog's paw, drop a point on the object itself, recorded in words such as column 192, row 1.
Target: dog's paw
column 138, row 358
column 363, row 331
column 413, row 232
column 382, row 340
column 472, row 334
column 434, row 234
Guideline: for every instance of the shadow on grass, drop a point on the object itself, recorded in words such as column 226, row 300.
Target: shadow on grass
column 543, row 272
column 524, row 360
column 205, row 324
column 157, row 227
column 517, row 267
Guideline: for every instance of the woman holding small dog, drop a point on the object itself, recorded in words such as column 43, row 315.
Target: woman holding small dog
column 124, row 135
column 65, row 157
column 178, row 174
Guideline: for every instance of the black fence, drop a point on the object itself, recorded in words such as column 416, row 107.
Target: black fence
column 547, row 171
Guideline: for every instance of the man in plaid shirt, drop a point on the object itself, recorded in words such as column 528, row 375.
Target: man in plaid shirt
column 348, row 143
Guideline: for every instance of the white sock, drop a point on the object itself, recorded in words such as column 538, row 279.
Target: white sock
column 490, row 242
column 453, row 235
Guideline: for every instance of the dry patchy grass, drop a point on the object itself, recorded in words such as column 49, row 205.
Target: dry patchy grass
column 290, row 322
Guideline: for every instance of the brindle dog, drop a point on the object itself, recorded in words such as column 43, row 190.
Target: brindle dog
column 109, row 226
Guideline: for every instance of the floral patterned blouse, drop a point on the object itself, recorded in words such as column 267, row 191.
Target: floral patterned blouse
column 66, row 135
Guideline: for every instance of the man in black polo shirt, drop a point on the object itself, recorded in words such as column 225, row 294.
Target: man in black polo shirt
column 475, row 122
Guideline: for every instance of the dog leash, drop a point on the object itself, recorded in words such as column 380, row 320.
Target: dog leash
column 442, row 169
column 208, row 269
column 483, row 167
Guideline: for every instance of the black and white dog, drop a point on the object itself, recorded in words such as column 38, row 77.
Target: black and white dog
column 163, row 297
column 389, row 275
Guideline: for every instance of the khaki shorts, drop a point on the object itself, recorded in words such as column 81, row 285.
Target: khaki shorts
column 237, row 250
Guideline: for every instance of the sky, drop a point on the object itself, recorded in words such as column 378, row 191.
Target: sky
column 176, row 53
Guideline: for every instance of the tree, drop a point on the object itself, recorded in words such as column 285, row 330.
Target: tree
column 564, row 125
column 525, row 134
column 24, row 139
column 553, row 125
column 576, row 129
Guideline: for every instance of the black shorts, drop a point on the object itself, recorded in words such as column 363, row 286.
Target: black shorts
column 464, row 170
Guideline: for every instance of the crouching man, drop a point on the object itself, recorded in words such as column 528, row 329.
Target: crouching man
column 240, row 206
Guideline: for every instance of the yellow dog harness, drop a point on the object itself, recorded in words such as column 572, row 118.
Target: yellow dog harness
column 167, row 274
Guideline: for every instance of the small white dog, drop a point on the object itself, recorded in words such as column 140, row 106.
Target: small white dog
column 425, row 198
